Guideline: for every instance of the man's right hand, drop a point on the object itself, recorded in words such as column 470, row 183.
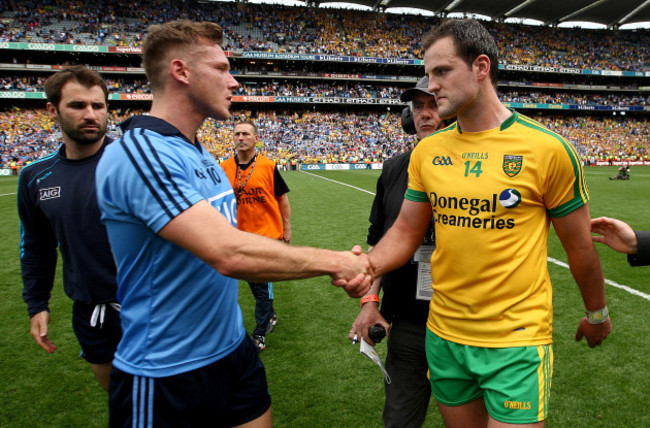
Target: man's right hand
column 616, row 234
column 39, row 325
column 368, row 317
column 355, row 274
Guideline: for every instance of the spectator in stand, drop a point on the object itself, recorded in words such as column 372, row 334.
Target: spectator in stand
column 334, row 137
column 307, row 30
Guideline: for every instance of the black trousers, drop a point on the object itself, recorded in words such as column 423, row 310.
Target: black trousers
column 408, row 394
column 263, row 292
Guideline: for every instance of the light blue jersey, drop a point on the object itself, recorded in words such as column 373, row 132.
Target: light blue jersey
column 178, row 313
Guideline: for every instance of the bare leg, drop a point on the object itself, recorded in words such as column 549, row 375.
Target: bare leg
column 102, row 373
column 470, row 415
column 496, row 424
column 475, row 415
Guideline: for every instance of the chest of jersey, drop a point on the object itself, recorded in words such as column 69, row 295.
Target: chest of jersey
column 483, row 185
column 67, row 191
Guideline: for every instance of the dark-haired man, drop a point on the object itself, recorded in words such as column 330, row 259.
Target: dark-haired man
column 493, row 182
column 58, row 208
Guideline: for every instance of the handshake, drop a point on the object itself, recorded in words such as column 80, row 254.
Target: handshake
column 355, row 273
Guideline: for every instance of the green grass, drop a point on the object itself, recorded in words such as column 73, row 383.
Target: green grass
column 316, row 377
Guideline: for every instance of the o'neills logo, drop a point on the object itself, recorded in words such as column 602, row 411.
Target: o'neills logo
column 517, row 405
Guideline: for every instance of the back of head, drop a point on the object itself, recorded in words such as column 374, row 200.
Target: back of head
column 471, row 40
column 78, row 73
column 164, row 38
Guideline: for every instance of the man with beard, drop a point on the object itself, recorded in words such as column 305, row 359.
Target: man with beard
column 57, row 206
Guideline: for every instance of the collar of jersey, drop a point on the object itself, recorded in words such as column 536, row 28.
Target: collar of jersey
column 154, row 124
column 506, row 123
column 98, row 153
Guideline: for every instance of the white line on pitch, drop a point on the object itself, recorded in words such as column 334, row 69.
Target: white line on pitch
column 340, row 182
column 607, row 281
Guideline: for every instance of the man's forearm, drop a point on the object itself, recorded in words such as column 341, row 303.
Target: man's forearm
column 206, row 233
column 588, row 274
column 285, row 212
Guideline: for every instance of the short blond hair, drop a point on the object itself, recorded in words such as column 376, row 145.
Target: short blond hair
column 164, row 38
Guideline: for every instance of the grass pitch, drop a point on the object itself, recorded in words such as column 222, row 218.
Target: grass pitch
column 316, row 377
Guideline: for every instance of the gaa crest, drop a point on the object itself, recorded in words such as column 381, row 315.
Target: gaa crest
column 512, row 164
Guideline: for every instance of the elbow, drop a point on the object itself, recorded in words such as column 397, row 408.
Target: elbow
column 228, row 265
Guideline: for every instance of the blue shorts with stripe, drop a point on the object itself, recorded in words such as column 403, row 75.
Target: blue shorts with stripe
column 228, row 392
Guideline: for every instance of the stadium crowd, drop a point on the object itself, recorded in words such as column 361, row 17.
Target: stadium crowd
column 313, row 30
column 352, row 90
column 317, row 137
column 335, row 137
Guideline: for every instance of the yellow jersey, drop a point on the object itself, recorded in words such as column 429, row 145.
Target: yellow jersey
column 493, row 194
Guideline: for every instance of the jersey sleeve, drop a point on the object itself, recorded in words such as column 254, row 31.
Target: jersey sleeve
column 565, row 184
column 416, row 191
column 38, row 249
column 140, row 181
column 279, row 185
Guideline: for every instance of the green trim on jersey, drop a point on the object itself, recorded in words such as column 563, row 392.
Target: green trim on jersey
column 579, row 186
column 445, row 129
column 416, row 196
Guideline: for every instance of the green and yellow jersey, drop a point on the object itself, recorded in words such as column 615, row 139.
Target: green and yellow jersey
column 492, row 194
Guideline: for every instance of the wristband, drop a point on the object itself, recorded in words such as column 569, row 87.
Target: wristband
column 369, row 298
column 599, row 316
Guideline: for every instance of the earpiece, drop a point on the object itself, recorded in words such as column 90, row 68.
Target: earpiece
column 408, row 124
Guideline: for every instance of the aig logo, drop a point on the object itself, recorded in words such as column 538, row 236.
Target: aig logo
column 442, row 160
column 49, row 193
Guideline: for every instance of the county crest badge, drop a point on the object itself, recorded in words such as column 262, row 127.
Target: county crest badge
column 512, row 164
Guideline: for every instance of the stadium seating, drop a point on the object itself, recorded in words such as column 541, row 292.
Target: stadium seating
column 589, row 85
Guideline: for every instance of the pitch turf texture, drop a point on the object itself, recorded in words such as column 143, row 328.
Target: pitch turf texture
column 316, row 377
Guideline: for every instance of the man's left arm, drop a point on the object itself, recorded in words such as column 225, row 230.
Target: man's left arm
column 280, row 190
column 574, row 231
column 285, row 210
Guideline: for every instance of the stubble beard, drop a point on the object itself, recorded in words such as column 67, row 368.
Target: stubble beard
column 76, row 134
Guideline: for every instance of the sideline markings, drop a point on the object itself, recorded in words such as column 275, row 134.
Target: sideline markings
column 339, row 182
column 607, row 281
column 550, row 259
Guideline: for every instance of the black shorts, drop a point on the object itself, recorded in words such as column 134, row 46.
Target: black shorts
column 99, row 341
column 228, row 392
